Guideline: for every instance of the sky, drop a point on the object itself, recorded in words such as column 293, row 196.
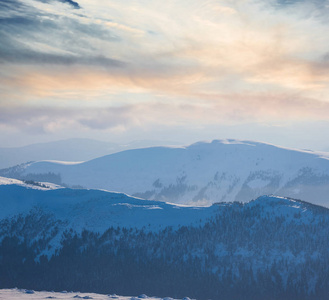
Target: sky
column 180, row 70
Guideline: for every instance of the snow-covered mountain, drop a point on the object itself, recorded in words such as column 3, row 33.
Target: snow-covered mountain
column 76, row 149
column 98, row 241
column 203, row 173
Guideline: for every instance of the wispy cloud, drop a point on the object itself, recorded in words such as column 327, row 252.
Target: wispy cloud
column 72, row 3
column 133, row 63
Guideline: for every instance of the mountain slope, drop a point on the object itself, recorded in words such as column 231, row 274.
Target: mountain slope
column 202, row 173
column 96, row 241
column 94, row 210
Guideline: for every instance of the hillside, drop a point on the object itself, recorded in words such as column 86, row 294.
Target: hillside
column 97, row 241
column 94, row 210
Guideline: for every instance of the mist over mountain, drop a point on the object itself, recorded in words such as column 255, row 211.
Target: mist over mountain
column 202, row 173
column 97, row 241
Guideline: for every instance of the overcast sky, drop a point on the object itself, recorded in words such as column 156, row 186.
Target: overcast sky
column 180, row 70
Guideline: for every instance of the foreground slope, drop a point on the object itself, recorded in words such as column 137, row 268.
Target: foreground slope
column 96, row 241
column 94, row 210
column 14, row 294
column 202, row 173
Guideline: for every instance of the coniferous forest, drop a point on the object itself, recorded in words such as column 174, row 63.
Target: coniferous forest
column 243, row 252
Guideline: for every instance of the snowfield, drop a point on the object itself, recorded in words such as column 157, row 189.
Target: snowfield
column 36, row 186
column 22, row 294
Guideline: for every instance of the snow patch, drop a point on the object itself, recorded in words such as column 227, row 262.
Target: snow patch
column 18, row 294
column 29, row 184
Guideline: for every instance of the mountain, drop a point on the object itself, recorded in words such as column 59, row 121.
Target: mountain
column 97, row 241
column 68, row 150
column 203, row 173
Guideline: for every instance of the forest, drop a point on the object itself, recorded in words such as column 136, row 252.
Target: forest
column 244, row 252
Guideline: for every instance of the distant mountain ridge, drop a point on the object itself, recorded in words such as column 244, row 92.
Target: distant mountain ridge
column 75, row 149
column 97, row 241
column 202, row 173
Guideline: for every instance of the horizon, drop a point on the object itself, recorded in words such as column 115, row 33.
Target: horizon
column 150, row 143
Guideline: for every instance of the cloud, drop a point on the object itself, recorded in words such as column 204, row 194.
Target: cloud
column 72, row 3
column 34, row 57
column 33, row 36
column 46, row 120
column 132, row 64
column 9, row 5
column 212, row 111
